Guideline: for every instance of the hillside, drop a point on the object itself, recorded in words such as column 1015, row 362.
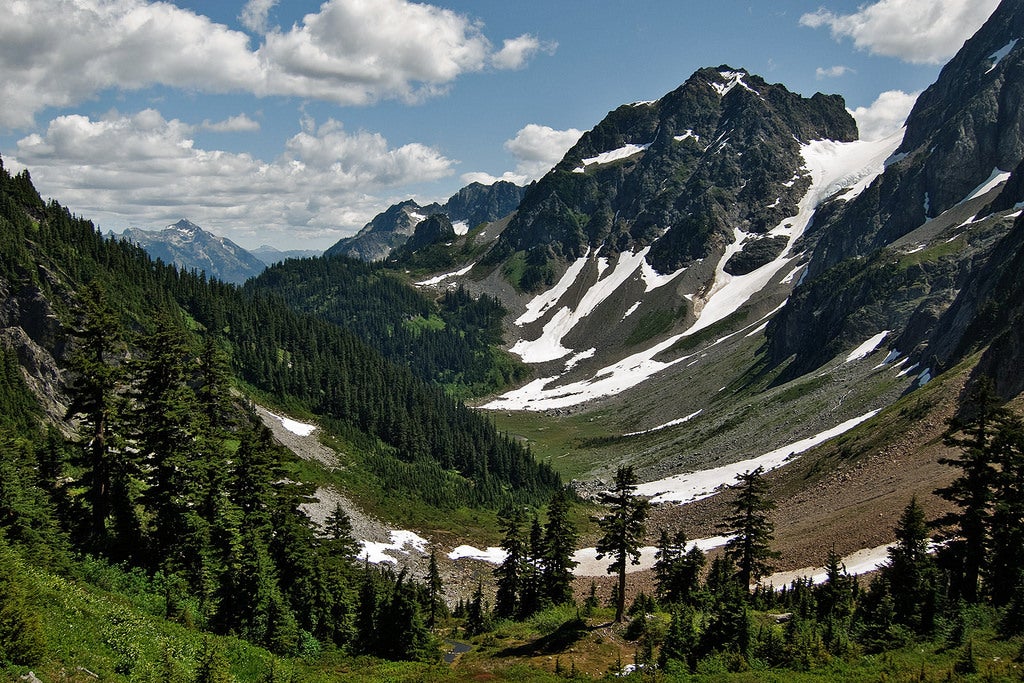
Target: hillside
column 189, row 247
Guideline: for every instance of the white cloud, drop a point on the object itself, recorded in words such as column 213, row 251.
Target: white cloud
column 536, row 149
column 885, row 116
column 515, row 52
column 326, row 183
column 254, row 15
column 832, row 71
column 56, row 53
column 918, row 31
column 233, row 124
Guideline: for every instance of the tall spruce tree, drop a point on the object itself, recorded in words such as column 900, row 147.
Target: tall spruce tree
column 676, row 569
column 509, row 574
column 910, row 578
column 751, row 528
column 1005, row 575
column 972, row 433
column 96, row 373
column 623, row 529
column 558, row 547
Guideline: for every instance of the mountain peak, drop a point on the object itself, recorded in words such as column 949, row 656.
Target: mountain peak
column 185, row 226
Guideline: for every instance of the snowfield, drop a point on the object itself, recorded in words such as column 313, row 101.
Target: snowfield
column 832, row 166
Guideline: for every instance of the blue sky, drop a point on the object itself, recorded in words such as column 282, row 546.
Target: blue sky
column 294, row 122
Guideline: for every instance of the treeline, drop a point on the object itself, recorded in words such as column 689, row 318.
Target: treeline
column 452, row 341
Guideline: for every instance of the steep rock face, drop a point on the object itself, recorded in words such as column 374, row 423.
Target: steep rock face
column 477, row 203
column 190, row 247
column 722, row 152
column 964, row 131
column 386, row 231
column 436, row 228
column 474, row 204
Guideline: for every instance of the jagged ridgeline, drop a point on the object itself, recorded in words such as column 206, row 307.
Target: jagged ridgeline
column 415, row 438
column 683, row 172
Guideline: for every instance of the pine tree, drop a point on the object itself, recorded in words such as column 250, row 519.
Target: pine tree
column 909, row 577
column 95, row 398
column 340, row 542
column 434, row 590
column 509, row 574
column 1004, row 572
column 676, row 569
column 559, row 544
column 623, row 529
column 750, row 527
column 168, row 442
column 972, row 490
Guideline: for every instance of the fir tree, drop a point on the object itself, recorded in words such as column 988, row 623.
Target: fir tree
column 676, row 569
column 95, row 398
column 623, row 529
column 509, row 574
column 434, row 590
column 751, row 529
column 558, row 546
column 972, row 490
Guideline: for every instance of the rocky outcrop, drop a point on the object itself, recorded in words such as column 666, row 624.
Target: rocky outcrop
column 720, row 153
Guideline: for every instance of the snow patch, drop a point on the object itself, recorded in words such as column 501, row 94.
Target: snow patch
column 460, row 227
column 859, row 562
column 294, row 426
column 691, row 486
column 468, row 552
column 688, row 134
column 623, row 152
column 631, row 310
column 868, row 347
column 549, row 346
column 441, row 278
column 542, row 303
column 402, row 541
column 582, row 355
column 892, row 355
column 998, row 177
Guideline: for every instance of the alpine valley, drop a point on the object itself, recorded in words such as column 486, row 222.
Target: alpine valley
column 725, row 346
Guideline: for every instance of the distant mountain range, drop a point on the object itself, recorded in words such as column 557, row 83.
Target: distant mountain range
column 188, row 246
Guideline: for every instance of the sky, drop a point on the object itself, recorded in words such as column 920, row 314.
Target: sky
column 293, row 122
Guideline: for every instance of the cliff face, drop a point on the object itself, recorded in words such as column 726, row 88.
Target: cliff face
column 917, row 252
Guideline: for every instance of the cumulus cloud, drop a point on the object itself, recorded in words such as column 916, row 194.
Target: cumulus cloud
column 918, row 31
column 536, row 149
column 885, row 115
column 515, row 52
column 326, row 182
column 832, row 71
column 254, row 15
column 55, row 53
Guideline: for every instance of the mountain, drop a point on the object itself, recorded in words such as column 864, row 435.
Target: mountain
column 188, row 246
column 466, row 209
column 922, row 252
column 270, row 255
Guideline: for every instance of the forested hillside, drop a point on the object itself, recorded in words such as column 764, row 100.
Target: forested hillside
column 162, row 466
column 452, row 341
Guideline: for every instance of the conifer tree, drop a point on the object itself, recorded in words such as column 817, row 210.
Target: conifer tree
column 558, row 547
column 434, row 587
column 909, row 578
column 168, row 441
column 623, row 529
column 1005, row 576
column 972, row 490
column 95, row 398
column 509, row 574
column 676, row 569
column 340, row 542
column 750, row 527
